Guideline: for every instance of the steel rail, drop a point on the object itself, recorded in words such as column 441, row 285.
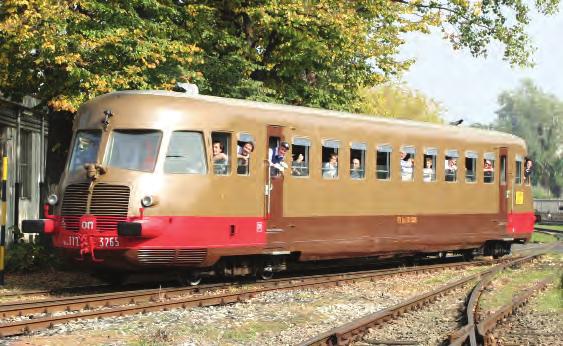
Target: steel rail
column 15, row 309
column 352, row 331
column 484, row 327
column 154, row 301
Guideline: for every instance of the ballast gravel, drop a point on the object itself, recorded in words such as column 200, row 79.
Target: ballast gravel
column 272, row 318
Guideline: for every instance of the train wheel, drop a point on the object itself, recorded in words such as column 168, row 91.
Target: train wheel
column 267, row 272
column 468, row 255
column 192, row 278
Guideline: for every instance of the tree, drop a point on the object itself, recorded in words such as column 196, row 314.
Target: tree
column 537, row 117
column 314, row 53
column 398, row 101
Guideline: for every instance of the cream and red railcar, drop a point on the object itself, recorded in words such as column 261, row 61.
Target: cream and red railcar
column 142, row 189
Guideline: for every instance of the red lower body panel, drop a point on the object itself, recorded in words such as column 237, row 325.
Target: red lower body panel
column 520, row 223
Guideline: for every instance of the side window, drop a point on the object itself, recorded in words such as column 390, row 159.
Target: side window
column 503, row 169
column 451, row 165
column 383, row 162
column 357, row 160
column 300, row 157
column 329, row 167
column 245, row 147
column 518, row 172
column 221, row 145
column 528, row 171
column 489, row 168
column 186, row 153
column 429, row 170
column 471, row 166
column 407, row 154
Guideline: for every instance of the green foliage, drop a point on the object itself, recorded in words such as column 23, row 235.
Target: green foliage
column 314, row 53
column 398, row 101
column 29, row 256
column 537, row 117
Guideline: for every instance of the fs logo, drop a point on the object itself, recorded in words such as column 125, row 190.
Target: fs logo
column 88, row 223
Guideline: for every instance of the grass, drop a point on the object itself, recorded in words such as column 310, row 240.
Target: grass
column 538, row 237
column 510, row 283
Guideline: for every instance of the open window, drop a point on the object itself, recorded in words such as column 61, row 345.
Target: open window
column 407, row 155
column 245, row 147
column 221, row 146
column 383, row 162
column 186, row 153
column 518, row 171
column 329, row 167
column 451, row 165
column 429, row 169
column 357, row 160
column 471, row 166
column 300, row 157
column 489, row 168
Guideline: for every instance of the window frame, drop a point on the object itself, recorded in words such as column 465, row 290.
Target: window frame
column 518, row 173
column 335, row 145
column 204, row 147
column 306, row 143
column 246, row 137
column 409, row 150
column 362, row 148
column 490, row 156
column 228, row 146
column 452, row 154
column 386, row 149
column 109, row 145
column 474, row 156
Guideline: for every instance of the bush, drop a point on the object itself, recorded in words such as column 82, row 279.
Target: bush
column 30, row 256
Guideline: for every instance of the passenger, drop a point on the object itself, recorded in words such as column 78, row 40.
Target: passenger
column 427, row 171
column 407, row 166
column 528, row 170
column 276, row 157
column 219, row 159
column 356, row 171
column 299, row 166
column 243, row 157
column 330, row 168
column 451, row 169
column 488, row 171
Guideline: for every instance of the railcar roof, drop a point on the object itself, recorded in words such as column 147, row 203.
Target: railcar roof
column 317, row 111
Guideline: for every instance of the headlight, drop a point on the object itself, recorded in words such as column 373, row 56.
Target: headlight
column 52, row 199
column 149, row 201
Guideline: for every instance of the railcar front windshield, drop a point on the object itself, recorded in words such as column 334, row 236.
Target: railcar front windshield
column 85, row 149
column 135, row 150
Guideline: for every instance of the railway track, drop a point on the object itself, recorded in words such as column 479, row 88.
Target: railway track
column 355, row 330
column 22, row 317
column 557, row 233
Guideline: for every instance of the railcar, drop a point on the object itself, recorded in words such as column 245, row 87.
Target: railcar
column 548, row 211
column 143, row 190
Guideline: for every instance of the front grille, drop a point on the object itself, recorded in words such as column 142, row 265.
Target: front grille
column 110, row 204
column 171, row 256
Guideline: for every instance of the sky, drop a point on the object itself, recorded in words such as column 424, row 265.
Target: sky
column 468, row 87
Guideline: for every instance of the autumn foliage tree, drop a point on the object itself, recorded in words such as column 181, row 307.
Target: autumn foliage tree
column 399, row 101
column 316, row 53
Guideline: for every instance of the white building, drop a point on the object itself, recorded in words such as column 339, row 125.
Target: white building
column 23, row 139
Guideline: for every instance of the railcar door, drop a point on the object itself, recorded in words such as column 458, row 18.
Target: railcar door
column 504, row 193
column 274, row 179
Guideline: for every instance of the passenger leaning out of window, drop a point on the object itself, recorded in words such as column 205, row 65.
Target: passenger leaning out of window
column 298, row 166
column 427, row 171
column 330, row 168
column 243, row 156
column 356, row 169
column 528, row 170
column 488, row 171
column 451, row 169
column 276, row 157
column 219, row 158
column 407, row 166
